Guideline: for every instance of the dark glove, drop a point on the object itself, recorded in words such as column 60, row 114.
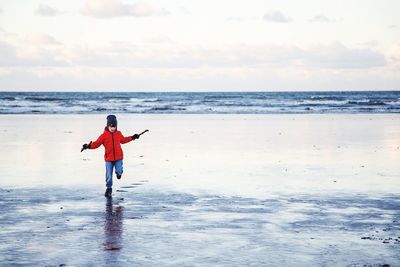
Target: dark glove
column 135, row 136
column 85, row 146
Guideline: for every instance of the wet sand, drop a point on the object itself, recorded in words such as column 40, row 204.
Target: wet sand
column 203, row 190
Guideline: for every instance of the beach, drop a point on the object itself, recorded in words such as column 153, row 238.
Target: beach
column 203, row 190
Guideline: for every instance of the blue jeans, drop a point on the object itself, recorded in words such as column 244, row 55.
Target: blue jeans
column 109, row 171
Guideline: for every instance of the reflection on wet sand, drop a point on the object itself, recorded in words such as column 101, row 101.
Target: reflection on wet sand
column 157, row 228
column 113, row 226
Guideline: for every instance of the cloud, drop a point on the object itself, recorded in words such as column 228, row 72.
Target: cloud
column 10, row 56
column 47, row 11
column 324, row 56
column 234, row 19
column 7, row 54
column 336, row 55
column 4, row 33
column 116, row 8
column 276, row 16
column 392, row 26
column 1, row 10
column 75, row 78
column 39, row 39
column 44, row 50
column 372, row 43
column 126, row 66
column 394, row 53
column 185, row 10
column 321, row 18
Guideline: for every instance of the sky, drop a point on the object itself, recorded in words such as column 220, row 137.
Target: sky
column 199, row 45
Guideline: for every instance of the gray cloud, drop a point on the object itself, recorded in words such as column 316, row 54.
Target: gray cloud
column 116, row 8
column 39, row 39
column 185, row 10
column 47, row 11
column 4, row 33
column 7, row 54
column 75, row 78
column 321, row 18
column 10, row 58
column 126, row 55
column 234, row 19
column 372, row 43
column 125, row 66
column 328, row 56
column 337, row 55
column 276, row 16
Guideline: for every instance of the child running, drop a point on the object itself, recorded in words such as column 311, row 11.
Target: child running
column 111, row 139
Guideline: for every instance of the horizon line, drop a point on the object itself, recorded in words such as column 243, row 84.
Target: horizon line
column 190, row 91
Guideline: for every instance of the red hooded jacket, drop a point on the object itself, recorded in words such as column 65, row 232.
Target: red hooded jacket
column 112, row 144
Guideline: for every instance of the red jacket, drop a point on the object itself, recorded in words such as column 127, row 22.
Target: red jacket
column 112, row 144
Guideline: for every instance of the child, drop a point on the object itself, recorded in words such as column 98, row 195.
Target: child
column 111, row 139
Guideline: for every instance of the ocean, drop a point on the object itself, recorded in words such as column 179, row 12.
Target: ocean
column 200, row 102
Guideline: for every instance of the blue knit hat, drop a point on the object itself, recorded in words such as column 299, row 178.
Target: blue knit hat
column 111, row 120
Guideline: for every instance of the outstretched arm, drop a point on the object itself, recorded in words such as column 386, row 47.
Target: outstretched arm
column 131, row 138
column 93, row 145
column 97, row 143
column 126, row 139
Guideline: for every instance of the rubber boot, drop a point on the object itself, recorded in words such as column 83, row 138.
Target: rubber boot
column 108, row 192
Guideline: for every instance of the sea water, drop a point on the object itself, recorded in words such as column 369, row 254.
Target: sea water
column 199, row 102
